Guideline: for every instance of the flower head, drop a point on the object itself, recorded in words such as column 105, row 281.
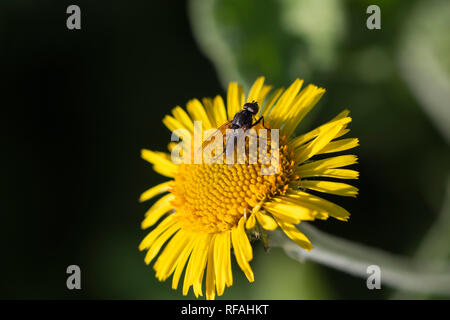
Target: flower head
column 210, row 209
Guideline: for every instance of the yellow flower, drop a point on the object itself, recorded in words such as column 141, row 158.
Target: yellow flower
column 210, row 209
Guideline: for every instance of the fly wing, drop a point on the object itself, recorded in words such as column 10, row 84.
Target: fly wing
column 223, row 128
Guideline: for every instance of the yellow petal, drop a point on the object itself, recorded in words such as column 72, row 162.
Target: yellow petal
column 155, row 233
column 243, row 240
column 255, row 90
column 241, row 97
column 181, row 262
column 161, row 162
column 189, row 274
column 266, row 221
column 233, row 99
column 219, row 111
column 250, row 222
column 238, row 244
column 303, row 103
column 337, row 188
column 288, row 211
column 210, row 273
column 331, row 163
column 292, row 232
column 159, row 208
column 167, row 261
column 330, row 173
column 343, row 114
column 267, row 107
column 208, row 105
column 287, row 98
column 166, row 171
column 328, row 168
column 340, row 145
column 227, row 262
column 198, row 113
column 172, row 124
column 156, row 246
column 154, row 191
column 241, row 261
column 310, row 201
column 182, row 117
column 300, row 140
column 282, row 108
column 219, row 260
column 200, row 264
column 262, row 95
column 309, row 150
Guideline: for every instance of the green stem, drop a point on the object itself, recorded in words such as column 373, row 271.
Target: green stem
column 435, row 245
column 396, row 271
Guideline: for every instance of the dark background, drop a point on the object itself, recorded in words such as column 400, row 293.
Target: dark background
column 79, row 105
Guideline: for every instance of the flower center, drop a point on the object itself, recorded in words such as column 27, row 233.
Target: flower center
column 211, row 198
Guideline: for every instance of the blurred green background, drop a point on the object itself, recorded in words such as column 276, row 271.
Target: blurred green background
column 79, row 105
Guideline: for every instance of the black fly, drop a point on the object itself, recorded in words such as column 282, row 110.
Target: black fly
column 244, row 118
column 241, row 120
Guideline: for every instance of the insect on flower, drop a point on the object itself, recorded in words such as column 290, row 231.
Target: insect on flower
column 208, row 213
column 241, row 122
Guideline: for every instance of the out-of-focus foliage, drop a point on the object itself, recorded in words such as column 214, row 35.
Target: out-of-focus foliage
column 276, row 38
column 425, row 60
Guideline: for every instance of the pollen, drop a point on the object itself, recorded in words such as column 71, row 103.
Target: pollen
column 212, row 198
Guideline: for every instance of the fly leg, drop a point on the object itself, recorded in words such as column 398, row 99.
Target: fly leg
column 258, row 121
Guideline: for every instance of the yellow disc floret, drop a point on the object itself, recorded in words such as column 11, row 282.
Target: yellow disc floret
column 211, row 198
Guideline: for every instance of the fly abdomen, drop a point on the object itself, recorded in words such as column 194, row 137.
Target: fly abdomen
column 243, row 119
